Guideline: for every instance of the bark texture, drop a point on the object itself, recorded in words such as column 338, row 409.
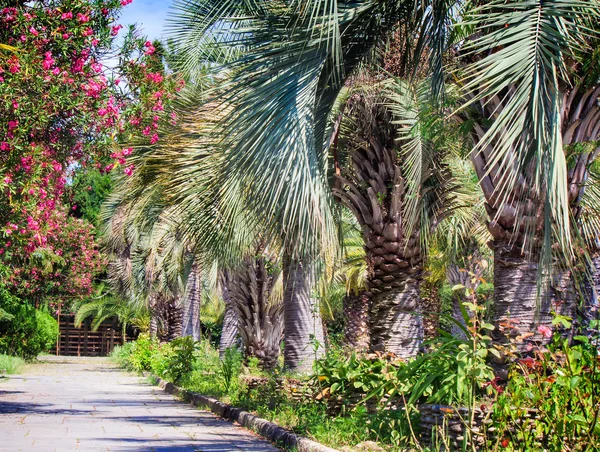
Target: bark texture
column 519, row 306
column 260, row 318
column 302, row 318
column 153, row 325
column 591, row 306
column 191, row 304
column 356, row 326
column 432, row 307
column 396, row 320
column 229, row 331
column 174, row 319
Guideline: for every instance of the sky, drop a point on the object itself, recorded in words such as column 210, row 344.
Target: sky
column 150, row 15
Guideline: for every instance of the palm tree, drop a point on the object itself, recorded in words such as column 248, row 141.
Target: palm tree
column 515, row 60
column 257, row 304
column 296, row 60
column 588, row 219
column 103, row 307
column 534, row 96
column 396, row 185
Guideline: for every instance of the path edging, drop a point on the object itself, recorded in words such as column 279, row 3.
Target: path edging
column 264, row 428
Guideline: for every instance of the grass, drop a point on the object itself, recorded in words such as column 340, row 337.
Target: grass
column 11, row 364
column 307, row 418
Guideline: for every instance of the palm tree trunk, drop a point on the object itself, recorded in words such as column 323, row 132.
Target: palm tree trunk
column 396, row 320
column 229, row 330
column 432, row 307
column 302, row 319
column 596, row 281
column 260, row 319
column 521, row 302
column 591, row 307
column 174, row 320
column 356, row 317
column 153, row 325
column 191, row 311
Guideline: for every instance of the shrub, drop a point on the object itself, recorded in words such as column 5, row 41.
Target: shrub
column 159, row 362
column 47, row 330
column 562, row 384
column 10, row 364
column 180, row 362
column 142, row 350
column 120, row 354
column 26, row 332
column 231, row 366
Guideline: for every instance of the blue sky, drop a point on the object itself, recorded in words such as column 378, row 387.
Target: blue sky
column 150, row 15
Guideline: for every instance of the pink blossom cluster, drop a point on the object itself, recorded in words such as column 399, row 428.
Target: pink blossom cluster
column 61, row 110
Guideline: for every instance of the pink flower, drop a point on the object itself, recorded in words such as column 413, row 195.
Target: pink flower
column 48, row 61
column 154, row 138
column 127, row 151
column 14, row 66
column 545, row 331
column 66, row 16
column 88, row 32
column 4, row 146
column 83, row 18
column 129, row 170
column 33, row 31
column 154, row 77
column 115, row 29
column 150, row 49
column 125, row 2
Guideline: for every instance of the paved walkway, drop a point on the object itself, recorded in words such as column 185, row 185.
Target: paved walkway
column 86, row 404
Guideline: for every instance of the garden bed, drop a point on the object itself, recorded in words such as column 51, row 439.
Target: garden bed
column 266, row 429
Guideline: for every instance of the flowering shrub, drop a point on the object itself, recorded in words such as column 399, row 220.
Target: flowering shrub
column 62, row 109
column 561, row 383
column 57, row 266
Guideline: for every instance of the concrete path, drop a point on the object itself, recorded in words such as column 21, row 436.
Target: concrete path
column 87, row 404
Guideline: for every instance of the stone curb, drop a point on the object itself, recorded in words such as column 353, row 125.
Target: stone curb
column 264, row 428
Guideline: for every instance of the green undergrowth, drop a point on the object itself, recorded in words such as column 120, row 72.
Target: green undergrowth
column 10, row 364
column 207, row 374
column 354, row 399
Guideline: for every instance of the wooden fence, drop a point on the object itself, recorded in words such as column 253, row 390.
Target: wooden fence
column 85, row 342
